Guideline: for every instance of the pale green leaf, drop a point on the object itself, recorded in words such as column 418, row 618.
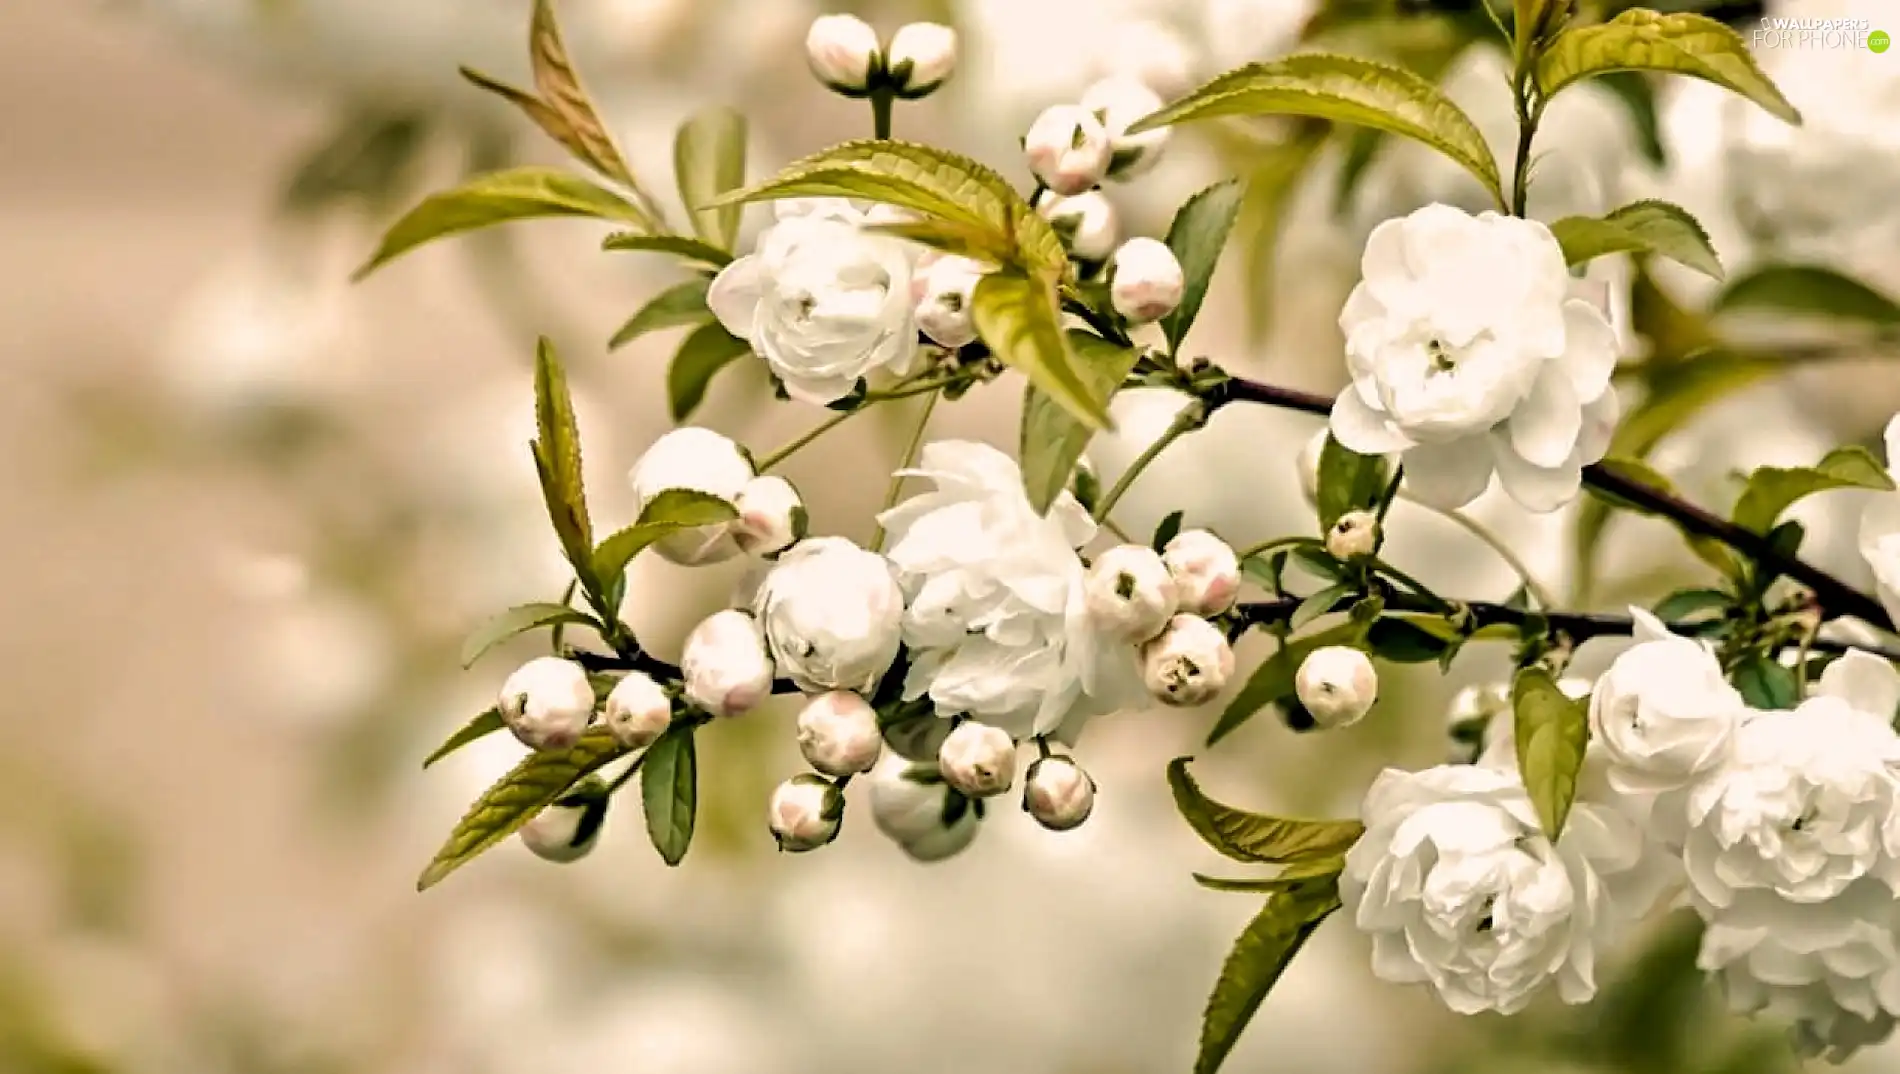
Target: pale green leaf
column 1348, row 482
column 579, row 127
column 1019, row 319
column 1253, row 967
column 1812, row 291
column 1771, row 490
column 483, row 725
column 680, row 246
column 675, row 307
column 709, row 160
column 557, row 456
column 498, row 198
column 1552, row 731
column 1272, row 680
column 1647, row 227
column 952, row 237
column 669, row 791
column 703, row 354
column 1683, row 44
column 670, row 511
column 1197, row 236
column 1052, row 440
column 518, row 620
column 1253, row 837
column 1765, row 684
column 1286, row 877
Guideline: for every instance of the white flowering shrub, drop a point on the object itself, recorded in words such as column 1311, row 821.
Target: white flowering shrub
column 1740, row 759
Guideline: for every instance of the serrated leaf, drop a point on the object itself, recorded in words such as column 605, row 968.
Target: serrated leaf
column 483, row 725
column 1254, row 837
column 1810, row 290
column 537, row 782
column 1253, row 967
column 676, row 307
column 709, row 160
column 701, row 356
column 669, row 792
column 1052, row 439
column 498, row 198
column 1018, row 318
column 1552, row 731
column 1771, row 490
column 1681, row 44
column 518, row 620
column 1343, row 89
column 1272, row 680
column 679, row 246
column 1765, row 684
column 1348, row 482
column 952, row 237
column 1647, row 227
column 557, row 457
column 578, row 128
column 1197, row 236
column 672, row 510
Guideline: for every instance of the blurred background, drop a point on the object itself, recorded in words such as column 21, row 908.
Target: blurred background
column 252, row 510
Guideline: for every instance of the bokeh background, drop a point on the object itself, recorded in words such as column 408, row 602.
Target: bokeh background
column 251, row 509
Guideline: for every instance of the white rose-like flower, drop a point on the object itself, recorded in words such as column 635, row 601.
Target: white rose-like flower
column 805, row 812
column 843, row 52
column 1336, row 685
column 1058, row 793
column 1205, row 569
column 1087, row 222
column 725, row 665
column 1467, row 357
column 1663, row 712
column 1118, row 101
column 1145, row 281
column 1459, row 888
column 637, row 710
column 922, row 55
column 824, row 302
column 547, row 703
column 702, row 461
column 914, row 808
column 1068, row 148
column 833, row 615
column 978, row 760
column 1880, row 532
column 945, row 312
column 1131, row 593
column 838, row 734
column 1189, row 663
column 771, row 516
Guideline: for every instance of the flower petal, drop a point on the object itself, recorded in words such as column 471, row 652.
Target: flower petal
column 735, row 295
column 1599, row 427
column 1545, row 425
column 1360, row 428
column 1449, row 475
column 1590, row 349
column 1892, row 440
column 1535, row 488
column 1864, row 681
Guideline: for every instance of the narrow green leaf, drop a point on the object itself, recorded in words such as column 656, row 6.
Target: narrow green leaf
column 1348, row 482
column 497, row 198
column 518, row 620
column 1287, row 877
column 1167, row 530
column 1810, row 290
column 557, row 454
column 1404, row 640
column 1771, row 490
column 1685, row 603
column 1682, row 44
column 1019, row 319
column 702, row 355
column 1272, row 681
column 670, row 511
column 578, row 127
column 1319, row 604
column 1253, row 837
column 1253, row 967
column 686, row 249
column 480, row 727
column 669, row 791
column 1552, row 731
column 1197, row 236
column 676, row 307
column 535, row 783
column 1647, row 227
column 1765, row 684
column 709, row 160
column 1343, row 89
column 1052, row 440
column 952, row 237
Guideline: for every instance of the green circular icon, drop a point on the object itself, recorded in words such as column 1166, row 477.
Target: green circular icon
column 1878, row 41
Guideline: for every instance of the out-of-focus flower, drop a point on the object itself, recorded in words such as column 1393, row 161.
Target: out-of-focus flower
column 1068, row 148
column 1118, row 101
column 944, row 312
column 567, row 830
column 914, row 808
column 699, row 460
column 922, row 55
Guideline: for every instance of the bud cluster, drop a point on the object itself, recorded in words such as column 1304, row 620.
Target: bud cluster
column 1160, row 602
column 845, row 54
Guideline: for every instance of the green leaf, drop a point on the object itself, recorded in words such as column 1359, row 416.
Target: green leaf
column 952, row 237
column 1646, row 227
column 1052, row 440
column 1261, row 954
column 480, row 727
column 518, row 620
column 1685, row 603
column 1765, row 684
column 703, row 354
column 1319, row 604
column 1287, row 877
column 1343, row 89
column 671, row 510
column 1272, row 680
column 497, row 198
column 1682, row 44
column 669, row 790
column 675, row 307
column 1348, row 482
column 1638, row 96
column 557, row 459
column 1274, row 177
column 1253, row 837
column 678, row 245
column 1810, row 290
column 1019, row 319
column 1771, row 490
column 1167, row 530
column 1197, row 236
column 709, row 160
column 1403, row 640
column 579, row 128
column 537, row 782
column 1552, row 731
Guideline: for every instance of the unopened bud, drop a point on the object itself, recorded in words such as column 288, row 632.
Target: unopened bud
column 1309, row 467
column 978, row 760
column 1189, row 664
column 843, row 53
column 1336, row 685
column 944, row 310
column 1470, row 716
column 1068, row 148
column 805, row 812
column 1355, row 534
column 567, row 829
column 1129, row 593
column 698, row 460
column 922, row 55
column 1058, row 793
column 547, row 703
column 913, row 806
column 1086, row 222
column 1118, row 102
column 1205, row 570
column 1145, row 282
column 771, row 516
column 725, row 666
column 838, row 734
column 637, row 710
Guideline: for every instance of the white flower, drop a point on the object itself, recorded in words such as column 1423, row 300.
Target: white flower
column 1459, row 888
column 1087, row 222
column 1145, row 281
column 547, row 702
column 945, row 313
column 824, row 302
column 832, row 614
column 1058, row 793
column 1663, row 712
column 637, row 710
column 771, row 516
column 838, row 734
column 805, row 813
column 1467, row 356
column 915, row 809
column 1189, row 663
column 1118, row 101
column 978, row 760
column 702, row 461
column 726, row 668
column 1336, row 685
column 1474, row 718
column 1205, row 570
column 997, row 629
column 1068, row 148
column 843, row 52
column 567, row 830
column 1880, row 532
column 922, row 55
column 1131, row 593
column 1355, row 534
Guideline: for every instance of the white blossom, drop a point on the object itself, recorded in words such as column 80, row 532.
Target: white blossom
column 1145, row 282
column 547, row 702
column 1118, row 101
column 637, row 710
column 1663, row 712
column 567, row 830
column 823, row 301
column 843, row 52
column 1068, row 148
column 978, row 760
column 838, row 734
column 725, row 665
column 1880, row 532
column 805, row 812
column 1087, row 222
column 832, row 614
column 1130, row 592
column 945, row 312
column 914, row 808
column 771, row 516
column 1467, row 356
column 1474, row 718
column 1058, row 793
column 1205, row 570
column 1189, row 663
column 699, row 460
column 1337, row 685
column 922, row 55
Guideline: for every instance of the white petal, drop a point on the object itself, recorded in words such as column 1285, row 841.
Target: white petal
column 1599, row 427
column 1893, row 442
column 1647, row 626
column 735, row 293
column 1449, row 475
column 1360, row 428
column 1864, row 681
column 820, row 390
column 1535, row 488
column 1590, row 349
column 1544, row 427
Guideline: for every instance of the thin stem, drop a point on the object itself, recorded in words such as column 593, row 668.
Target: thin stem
column 1190, row 418
column 1264, row 547
column 1418, row 588
column 651, row 665
column 799, row 442
column 909, row 459
column 881, row 101
column 1110, row 525
column 1527, row 119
